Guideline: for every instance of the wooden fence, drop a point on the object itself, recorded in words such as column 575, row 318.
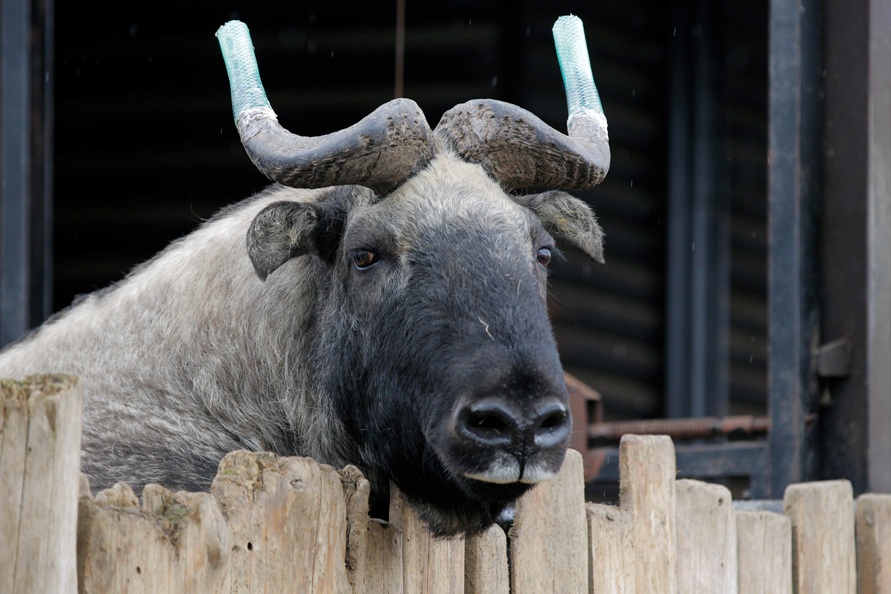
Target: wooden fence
column 290, row 525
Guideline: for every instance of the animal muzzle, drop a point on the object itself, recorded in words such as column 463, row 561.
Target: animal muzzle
column 504, row 440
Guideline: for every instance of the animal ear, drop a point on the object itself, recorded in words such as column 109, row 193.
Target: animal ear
column 568, row 219
column 282, row 230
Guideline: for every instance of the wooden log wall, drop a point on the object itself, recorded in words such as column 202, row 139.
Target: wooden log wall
column 292, row 525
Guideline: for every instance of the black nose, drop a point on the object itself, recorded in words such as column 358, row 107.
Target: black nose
column 496, row 423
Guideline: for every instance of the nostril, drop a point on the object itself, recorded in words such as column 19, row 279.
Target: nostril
column 553, row 420
column 487, row 423
column 492, row 423
column 552, row 426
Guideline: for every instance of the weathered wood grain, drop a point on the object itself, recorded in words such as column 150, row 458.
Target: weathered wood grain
column 288, row 522
column 39, row 473
column 764, row 546
column 374, row 548
column 706, row 539
column 177, row 542
column 485, row 563
column 118, row 548
column 292, row 525
column 199, row 539
column 549, row 540
column 873, row 529
column 429, row 565
column 647, row 493
column 823, row 556
column 611, row 568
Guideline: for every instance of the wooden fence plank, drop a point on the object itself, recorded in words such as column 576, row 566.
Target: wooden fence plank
column 119, row 549
column 485, row 563
column 233, row 488
column 765, row 552
column 374, row 548
column 292, row 525
column 178, row 542
column 647, row 493
column 13, row 448
column 548, row 541
column 706, row 539
column 823, row 557
column 288, row 523
column 199, row 539
column 610, row 550
column 873, row 529
column 39, row 473
column 429, row 565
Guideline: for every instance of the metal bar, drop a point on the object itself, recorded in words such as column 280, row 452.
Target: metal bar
column 677, row 340
column 694, row 428
column 793, row 177
column 15, row 168
column 856, row 241
column 701, row 461
column 698, row 235
column 26, row 102
column 42, row 113
column 709, row 461
column 711, row 235
column 878, row 219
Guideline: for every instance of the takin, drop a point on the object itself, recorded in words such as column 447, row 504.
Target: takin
column 383, row 305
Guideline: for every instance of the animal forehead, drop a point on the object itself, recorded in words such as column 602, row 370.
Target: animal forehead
column 449, row 195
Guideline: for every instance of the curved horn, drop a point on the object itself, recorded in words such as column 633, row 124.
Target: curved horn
column 518, row 149
column 379, row 152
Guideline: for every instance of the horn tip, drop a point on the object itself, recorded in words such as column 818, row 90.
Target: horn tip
column 233, row 27
column 575, row 65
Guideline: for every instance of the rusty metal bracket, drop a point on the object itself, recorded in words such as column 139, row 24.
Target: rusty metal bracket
column 586, row 406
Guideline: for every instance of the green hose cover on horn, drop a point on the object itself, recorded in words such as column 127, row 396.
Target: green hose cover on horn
column 572, row 53
column 241, row 65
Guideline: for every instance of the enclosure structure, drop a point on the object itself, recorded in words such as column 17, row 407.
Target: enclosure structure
column 292, row 525
column 746, row 205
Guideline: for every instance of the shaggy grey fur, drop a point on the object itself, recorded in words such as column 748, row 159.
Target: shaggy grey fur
column 194, row 355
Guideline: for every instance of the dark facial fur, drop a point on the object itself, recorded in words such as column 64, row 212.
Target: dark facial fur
column 449, row 308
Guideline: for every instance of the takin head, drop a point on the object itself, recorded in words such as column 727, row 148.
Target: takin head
column 434, row 343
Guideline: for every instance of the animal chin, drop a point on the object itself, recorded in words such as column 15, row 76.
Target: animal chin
column 508, row 474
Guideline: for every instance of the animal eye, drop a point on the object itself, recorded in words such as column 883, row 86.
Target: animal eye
column 544, row 256
column 363, row 259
